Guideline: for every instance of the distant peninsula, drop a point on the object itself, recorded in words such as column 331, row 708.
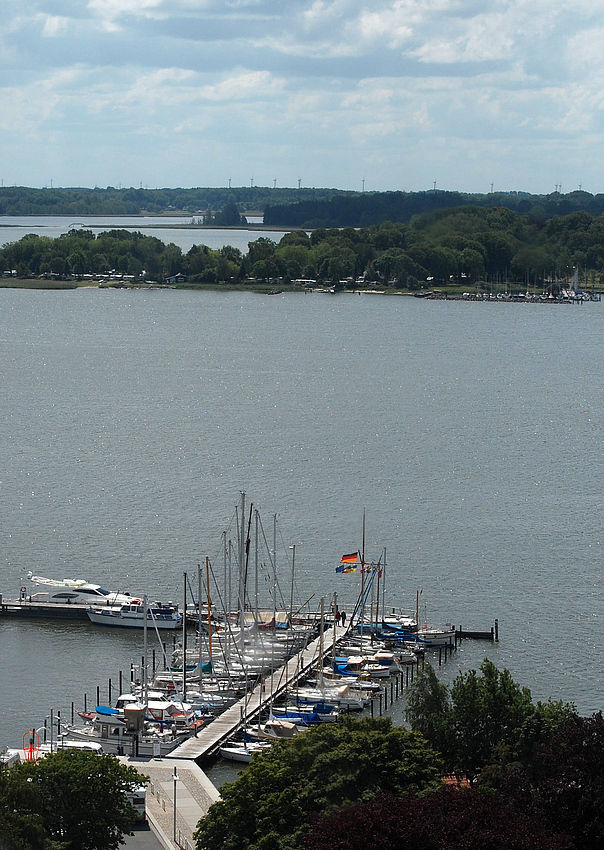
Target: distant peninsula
column 282, row 207
column 470, row 249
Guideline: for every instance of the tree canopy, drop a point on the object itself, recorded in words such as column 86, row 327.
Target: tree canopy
column 464, row 819
column 484, row 718
column 68, row 800
column 463, row 246
column 271, row 804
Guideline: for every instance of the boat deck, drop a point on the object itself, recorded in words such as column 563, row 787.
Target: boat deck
column 209, row 738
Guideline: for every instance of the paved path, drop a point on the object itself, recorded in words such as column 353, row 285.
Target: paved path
column 194, row 796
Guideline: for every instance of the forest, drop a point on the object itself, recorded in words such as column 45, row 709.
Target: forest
column 309, row 208
column 485, row 248
column 21, row 200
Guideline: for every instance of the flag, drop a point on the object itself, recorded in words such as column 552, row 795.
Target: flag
column 349, row 559
column 346, row 568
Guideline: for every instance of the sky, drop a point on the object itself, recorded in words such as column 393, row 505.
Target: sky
column 467, row 95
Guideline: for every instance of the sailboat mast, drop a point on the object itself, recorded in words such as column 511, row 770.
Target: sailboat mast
column 145, row 679
column 209, row 609
column 241, row 588
column 363, row 579
column 184, row 639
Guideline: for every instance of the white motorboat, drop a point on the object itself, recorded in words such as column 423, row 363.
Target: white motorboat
column 68, row 591
column 129, row 733
column 245, row 751
column 132, row 616
column 428, row 636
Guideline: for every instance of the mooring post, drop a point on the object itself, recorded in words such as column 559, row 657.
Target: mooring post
column 497, row 630
column 109, row 691
column 85, row 706
column 98, row 695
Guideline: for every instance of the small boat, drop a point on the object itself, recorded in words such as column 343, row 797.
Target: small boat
column 244, row 752
column 86, row 715
column 274, row 729
column 128, row 733
column 429, row 636
column 132, row 616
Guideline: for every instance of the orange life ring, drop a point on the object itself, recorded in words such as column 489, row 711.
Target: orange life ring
column 33, row 748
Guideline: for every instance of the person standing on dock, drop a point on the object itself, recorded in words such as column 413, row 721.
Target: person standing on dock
column 343, row 617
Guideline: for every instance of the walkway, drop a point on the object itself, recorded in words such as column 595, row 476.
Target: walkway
column 210, row 737
column 194, row 796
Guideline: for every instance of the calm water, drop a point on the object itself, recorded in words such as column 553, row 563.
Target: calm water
column 472, row 434
column 166, row 228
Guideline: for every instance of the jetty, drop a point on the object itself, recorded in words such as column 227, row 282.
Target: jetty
column 27, row 609
column 210, row 738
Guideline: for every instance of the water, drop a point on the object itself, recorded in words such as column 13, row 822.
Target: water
column 472, row 434
column 166, row 228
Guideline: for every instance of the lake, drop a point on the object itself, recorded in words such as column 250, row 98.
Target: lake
column 470, row 433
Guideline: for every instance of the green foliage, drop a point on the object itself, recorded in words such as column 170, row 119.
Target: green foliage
column 459, row 245
column 271, row 804
column 72, row 799
column 485, row 719
column 449, row 819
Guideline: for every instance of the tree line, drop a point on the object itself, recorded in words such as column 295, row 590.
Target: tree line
column 364, row 209
column 22, row 200
column 482, row 767
column 309, row 208
column 459, row 246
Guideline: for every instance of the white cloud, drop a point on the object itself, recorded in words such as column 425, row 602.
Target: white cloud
column 55, row 25
column 365, row 79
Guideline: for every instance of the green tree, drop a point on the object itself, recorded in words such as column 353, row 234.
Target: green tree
column 272, row 803
column 71, row 799
column 449, row 819
column 428, row 706
column 487, row 712
column 485, row 719
column 229, row 216
column 77, row 262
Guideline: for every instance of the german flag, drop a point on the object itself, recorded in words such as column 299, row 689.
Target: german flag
column 349, row 559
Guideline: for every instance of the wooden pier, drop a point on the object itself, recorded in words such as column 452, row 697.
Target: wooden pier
column 210, row 738
column 26, row 609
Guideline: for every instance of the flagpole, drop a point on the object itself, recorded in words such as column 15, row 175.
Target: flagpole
column 363, row 580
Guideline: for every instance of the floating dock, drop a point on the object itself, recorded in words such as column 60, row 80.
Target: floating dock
column 26, row 609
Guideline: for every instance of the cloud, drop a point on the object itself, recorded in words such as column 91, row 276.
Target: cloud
column 323, row 83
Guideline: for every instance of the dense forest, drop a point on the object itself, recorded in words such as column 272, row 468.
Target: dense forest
column 359, row 210
column 283, row 207
column 463, row 246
